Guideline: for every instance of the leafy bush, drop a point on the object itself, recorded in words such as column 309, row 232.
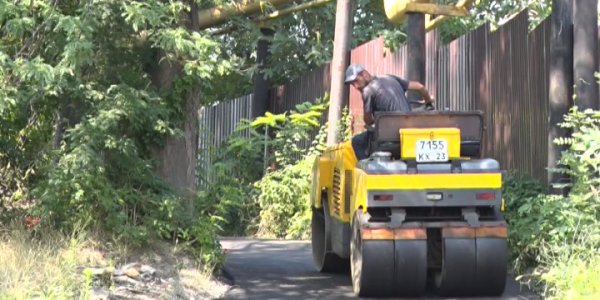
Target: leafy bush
column 284, row 194
column 228, row 181
column 522, row 194
column 284, row 199
column 558, row 235
column 275, row 205
column 231, row 193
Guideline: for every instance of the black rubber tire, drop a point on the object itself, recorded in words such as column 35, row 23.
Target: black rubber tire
column 473, row 267
column 457, row 276
column 324, row 259
column 371, row 265
column 410, row 264
column 491, row 266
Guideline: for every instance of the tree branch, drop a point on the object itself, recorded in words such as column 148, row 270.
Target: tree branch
column 277, row 14
column 218, row 15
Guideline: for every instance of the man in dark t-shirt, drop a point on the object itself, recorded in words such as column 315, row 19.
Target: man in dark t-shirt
column 381, row 94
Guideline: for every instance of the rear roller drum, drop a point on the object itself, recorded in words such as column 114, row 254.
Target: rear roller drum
column 324, row 259
column 457, row 276
column 371, row 264
column 491, row 266
column 410, row 267
column 472, row 267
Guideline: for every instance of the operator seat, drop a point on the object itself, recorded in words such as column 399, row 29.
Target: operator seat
column 385, row 134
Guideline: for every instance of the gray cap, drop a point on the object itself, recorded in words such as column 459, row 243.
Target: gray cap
column 352, row 72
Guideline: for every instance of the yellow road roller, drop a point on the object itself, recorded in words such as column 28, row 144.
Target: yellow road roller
column 422, row 213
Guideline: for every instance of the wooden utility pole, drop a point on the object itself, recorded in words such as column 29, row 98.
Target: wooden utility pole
column 341, row 52
column 418, row 15
column 585, row 53
column 561, row 81
column 416, row 50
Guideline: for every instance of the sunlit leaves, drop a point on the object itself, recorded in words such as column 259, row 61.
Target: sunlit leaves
column 144, row 15
column 78, row 54
column 35, row 71
column 495, row 13
column 18, row 27
column 269, row 119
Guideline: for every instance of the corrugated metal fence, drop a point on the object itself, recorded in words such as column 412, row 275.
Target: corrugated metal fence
column 217, row 122
column 503, row 73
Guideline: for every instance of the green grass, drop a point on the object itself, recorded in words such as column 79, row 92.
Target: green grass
column 573, row 277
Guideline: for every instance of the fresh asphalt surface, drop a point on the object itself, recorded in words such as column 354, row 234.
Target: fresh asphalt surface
column 265, row 269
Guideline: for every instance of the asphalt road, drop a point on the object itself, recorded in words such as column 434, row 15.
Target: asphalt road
column 262, row 269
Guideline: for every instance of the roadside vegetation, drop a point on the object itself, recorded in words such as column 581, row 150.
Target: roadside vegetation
column 40, row 268
column 83, row 119
column 268, row 198
column 555, row 239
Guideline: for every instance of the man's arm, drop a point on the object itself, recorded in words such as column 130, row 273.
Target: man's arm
column 417, row 86
column 368, row 99
column 368, row 118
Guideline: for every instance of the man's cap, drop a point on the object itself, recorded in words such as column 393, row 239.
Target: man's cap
column 353, row 71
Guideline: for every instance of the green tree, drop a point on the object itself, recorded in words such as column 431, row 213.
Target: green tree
column 495, row 13
column 99, row 98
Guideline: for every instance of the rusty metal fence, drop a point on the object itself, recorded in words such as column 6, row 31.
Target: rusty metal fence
column 503, row 73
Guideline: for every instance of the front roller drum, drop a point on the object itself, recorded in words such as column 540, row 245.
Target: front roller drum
column 324, row 258
column 371, row 264
column 384, row 262
column 472, row 264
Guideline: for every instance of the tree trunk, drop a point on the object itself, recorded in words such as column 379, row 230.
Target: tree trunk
column 178, row 158
column 561, row 82
column 585, row 53
column 262, row 85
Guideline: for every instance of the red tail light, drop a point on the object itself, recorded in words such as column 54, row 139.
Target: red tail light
column 384, row 197
column 486, row 196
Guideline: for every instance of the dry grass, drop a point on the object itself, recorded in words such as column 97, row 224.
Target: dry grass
column 41, row 267
column 50, row 265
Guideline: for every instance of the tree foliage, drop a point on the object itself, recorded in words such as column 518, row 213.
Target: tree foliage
column 495, row 13
column 301, row 40
column 83, row 111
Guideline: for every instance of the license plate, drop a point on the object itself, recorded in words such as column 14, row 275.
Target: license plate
column 432, row 150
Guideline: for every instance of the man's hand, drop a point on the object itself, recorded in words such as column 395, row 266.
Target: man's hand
column 429, row 104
